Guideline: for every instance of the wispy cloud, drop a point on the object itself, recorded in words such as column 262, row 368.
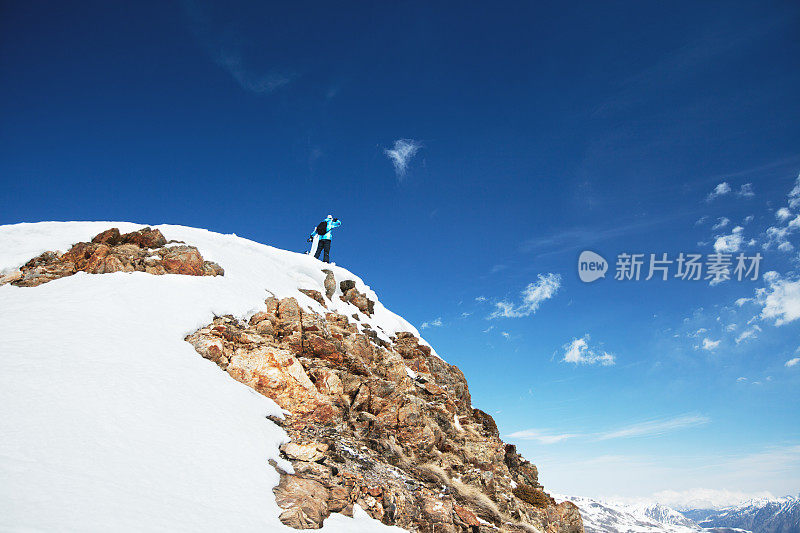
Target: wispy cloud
column 647, row 428
column 792, row 362
column 746, row 191
column 721, row 223
column 247, row 78
column 656, row 427
column 401, row 155
column 579, row 352
column 720, row 190
column 541, row 436
column 225, row 48
column 436, row 323
column 532, row 297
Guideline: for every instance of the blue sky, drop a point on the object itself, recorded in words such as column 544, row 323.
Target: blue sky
column 471, row 152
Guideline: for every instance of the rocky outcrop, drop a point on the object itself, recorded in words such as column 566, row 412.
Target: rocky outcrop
column 145, row 250
column 386, row 425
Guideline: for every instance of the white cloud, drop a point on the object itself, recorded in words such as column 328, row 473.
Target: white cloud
column 729, row 243
column 699, row 498
column 792, row 362
column 794, row 194
column 795, row 223
column 432, row 324
column 721, row 223
column 741, row 379
column 748, row 334
column 532, row 297
column 785, row 246
column 541, row 436
column 578, row 352
column 656, row 427
column 720, row 190
column 710, row 345
column 505, row 334
column 741, row 301
column 748, row 219
column 746, row 191
column 480, row 299
column 783, row 213
column 780, row 299
column 401, row 155
column 702, row 220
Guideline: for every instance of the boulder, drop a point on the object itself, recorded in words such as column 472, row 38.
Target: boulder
column 144, row 238
column 330, row 283
column 111, row 237
column 304, row 502
column 182, row 260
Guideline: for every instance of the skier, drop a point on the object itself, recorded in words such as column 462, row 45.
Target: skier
column 322, row 237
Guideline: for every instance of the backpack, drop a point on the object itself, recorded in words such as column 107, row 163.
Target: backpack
column 322, row 228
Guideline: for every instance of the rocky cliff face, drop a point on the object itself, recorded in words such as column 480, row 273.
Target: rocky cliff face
column 386, row 425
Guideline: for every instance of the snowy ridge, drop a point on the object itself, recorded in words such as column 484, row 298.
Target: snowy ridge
column 760, row 515
column 614, row 517
column 112, row 422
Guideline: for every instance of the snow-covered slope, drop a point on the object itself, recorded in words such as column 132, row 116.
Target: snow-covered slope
column 614, row 517
column 110, row 421
column 762, row 515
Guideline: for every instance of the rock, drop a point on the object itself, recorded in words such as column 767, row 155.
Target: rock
column 304, row 501
column 9, row 277
column 412, row 453
column 212, row 269
column 564, row 518
column 182, row 260
column 110, row 237
column 346, row 285
column 144, row 238
column 111, row 252
column 330, row 283
column 310, row 452
column 314, row 295
column 467, row 516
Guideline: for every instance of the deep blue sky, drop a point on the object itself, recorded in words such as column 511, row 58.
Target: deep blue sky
column 543, row 129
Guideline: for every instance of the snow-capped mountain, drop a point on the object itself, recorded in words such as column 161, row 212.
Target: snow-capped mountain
column 176, row 379
column 616, row 517
column 762, row 515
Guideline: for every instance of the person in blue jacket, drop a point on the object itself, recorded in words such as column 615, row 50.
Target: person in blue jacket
column 325, row 239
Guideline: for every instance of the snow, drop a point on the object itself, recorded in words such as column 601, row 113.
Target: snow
column 604, row 515
column 111, row 421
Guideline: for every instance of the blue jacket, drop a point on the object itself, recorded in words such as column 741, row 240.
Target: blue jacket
column 331, row 224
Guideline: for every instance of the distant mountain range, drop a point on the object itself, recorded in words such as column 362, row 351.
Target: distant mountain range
column 779, row 515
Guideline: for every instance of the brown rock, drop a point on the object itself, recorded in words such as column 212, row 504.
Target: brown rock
column 212, row 269
column 309, row 452
column 467, row 516
column 111, row 237
column 145, row 238
column 304, row 502
column 314, row 295
column 182, row 260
